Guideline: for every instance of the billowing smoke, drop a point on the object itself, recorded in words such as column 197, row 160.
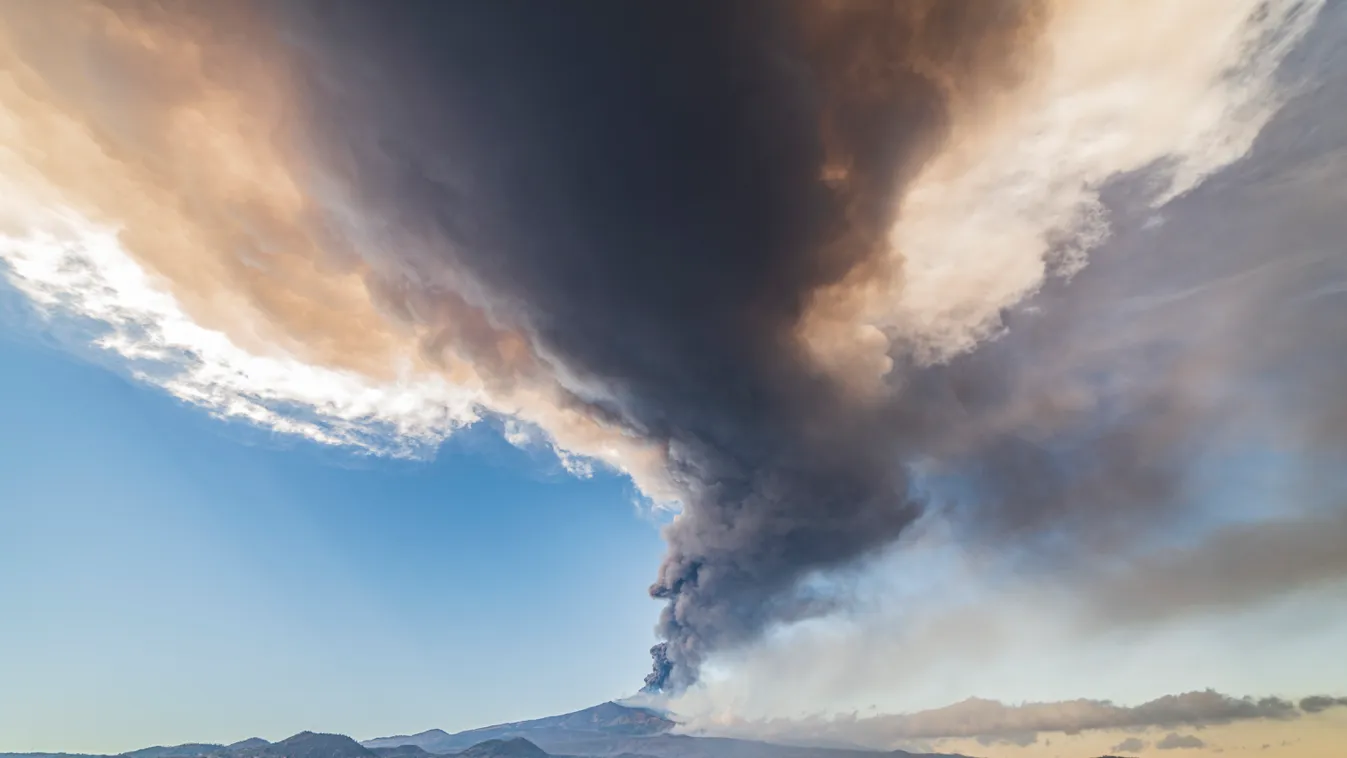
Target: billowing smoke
column 660, row 669
column 763, row 257
column 729, row 170
column 657, row 212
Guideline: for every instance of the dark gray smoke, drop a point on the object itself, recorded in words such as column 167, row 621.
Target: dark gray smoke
column 660, row 669
column 642, row 188
column 1319, row 703
column 652, row 193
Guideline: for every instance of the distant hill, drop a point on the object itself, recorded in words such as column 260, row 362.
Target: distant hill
column 401, row 751
column 311, row 745
column 516, row 747
column 302, row 745
column 190, row 750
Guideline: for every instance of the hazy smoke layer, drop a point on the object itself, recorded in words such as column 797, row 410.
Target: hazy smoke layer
column 993, row 720
column 751, row 254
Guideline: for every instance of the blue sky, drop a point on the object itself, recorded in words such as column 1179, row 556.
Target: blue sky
column 164, row 574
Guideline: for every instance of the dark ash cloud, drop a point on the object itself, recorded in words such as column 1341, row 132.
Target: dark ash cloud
column 1130, row 745
column 1175, row 741
column 1319, row 703
column 651, row 194
column 640, row 204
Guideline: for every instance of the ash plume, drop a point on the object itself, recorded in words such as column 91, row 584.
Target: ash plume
column 668, row 203
column 786, row 264
column 660, row 669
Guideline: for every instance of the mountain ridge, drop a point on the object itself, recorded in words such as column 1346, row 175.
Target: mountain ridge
column 607, row 730
column 613, row 730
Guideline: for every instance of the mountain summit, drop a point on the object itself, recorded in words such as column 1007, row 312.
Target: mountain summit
column 553, row 733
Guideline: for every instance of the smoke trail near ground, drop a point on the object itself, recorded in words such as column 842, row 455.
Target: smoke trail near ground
column 761, row 257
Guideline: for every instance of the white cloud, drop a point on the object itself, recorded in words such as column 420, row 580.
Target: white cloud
column 1117, row 86
column 72, row 269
